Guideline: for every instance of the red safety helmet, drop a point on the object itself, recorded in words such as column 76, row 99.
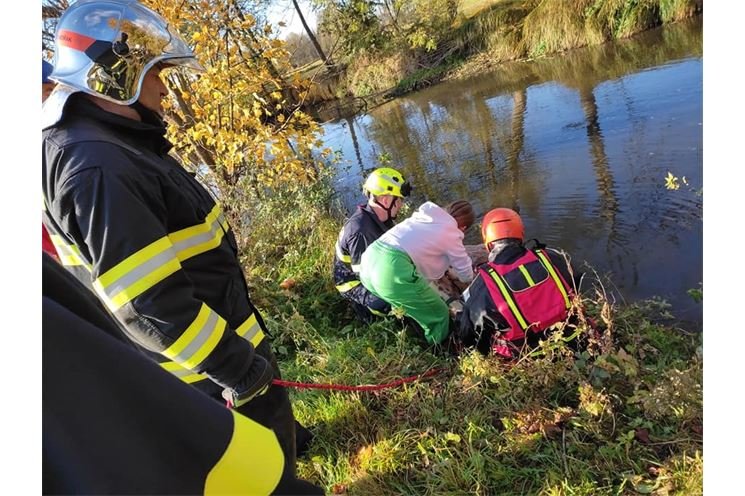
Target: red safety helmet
column 501, row 223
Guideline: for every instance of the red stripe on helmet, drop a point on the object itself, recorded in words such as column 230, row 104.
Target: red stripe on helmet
column 74, row 40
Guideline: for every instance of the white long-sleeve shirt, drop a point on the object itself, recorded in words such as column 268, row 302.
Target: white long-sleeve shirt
column 433, row 241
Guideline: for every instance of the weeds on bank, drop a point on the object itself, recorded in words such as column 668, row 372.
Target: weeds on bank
column 623, row 415
column 514, row 30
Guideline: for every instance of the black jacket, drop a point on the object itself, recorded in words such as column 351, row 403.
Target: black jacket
column 114, row 423
column 480, row 318
column 359, row 232
column 129, row 221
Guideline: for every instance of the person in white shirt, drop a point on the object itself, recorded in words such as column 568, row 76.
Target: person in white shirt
column 399, row 265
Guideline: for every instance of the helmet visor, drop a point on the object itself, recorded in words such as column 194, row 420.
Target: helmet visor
column 106, row 49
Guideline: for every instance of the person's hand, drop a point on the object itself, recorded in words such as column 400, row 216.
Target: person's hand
column 255, row 383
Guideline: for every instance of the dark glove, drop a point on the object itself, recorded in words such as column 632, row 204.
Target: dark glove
column 256, row 382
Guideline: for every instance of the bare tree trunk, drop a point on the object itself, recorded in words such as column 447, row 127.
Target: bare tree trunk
column 312, row 37
column 393, row 17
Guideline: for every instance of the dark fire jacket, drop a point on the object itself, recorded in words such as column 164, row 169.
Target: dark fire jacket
column 138, row 229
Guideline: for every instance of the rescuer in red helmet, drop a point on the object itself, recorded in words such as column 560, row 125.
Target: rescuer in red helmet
column 522, row 290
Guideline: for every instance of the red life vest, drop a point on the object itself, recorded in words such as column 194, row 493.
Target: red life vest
column 529, row 293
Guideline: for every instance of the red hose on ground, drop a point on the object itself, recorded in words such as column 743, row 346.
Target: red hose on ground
column 369, row 387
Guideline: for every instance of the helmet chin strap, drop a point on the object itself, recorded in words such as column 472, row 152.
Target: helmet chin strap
column 148, row 116
column 388, row 210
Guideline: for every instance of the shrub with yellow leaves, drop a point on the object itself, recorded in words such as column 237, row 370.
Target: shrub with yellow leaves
column 240, row 118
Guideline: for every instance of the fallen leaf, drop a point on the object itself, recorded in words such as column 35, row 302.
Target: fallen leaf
column 288, row 283
column 642, row 435
column 339, row 489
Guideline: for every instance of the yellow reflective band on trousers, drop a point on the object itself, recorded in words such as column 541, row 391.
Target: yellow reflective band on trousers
column 69, row 255
column 251, row 464
column 341, row 256
column 248, row 330
column 344, row 287
column 508, row 298
column 199, row 339
column 150, row 265
column 550, row 268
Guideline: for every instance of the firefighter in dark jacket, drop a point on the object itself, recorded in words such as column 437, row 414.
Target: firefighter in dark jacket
column 522, row 290
column 385, row 189
column 132, row 224
column 113, row 422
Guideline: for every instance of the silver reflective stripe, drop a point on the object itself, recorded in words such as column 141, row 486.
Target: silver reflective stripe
column 252, row 331
column 139, row 272
column 356, row 268
column 69, row 255
column 65, row 250
column 202, row 336
column 180, row 372
column 215, row 228
column 388, row 178
column 186, row 375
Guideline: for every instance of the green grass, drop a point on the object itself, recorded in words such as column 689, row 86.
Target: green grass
column 426, row 76
column 622, row 417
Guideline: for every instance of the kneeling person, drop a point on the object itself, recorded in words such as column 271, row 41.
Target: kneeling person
column 385, row 190
column 522, row 290
column 400, row 265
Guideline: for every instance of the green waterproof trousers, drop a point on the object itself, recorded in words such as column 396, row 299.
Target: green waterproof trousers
column 390, row 274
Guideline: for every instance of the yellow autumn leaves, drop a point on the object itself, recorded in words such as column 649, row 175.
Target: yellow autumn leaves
column 240, row 117
column 673, row 183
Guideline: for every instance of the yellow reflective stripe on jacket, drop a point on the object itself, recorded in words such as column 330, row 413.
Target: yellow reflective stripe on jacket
column 186, row 375
column 198, row 239
column 69, row 255
column 526, row 275
column 550, row 268
column 343, row 288
column 137, row 273
column 150, row 265
column 199, row 339
column 341, row 256
column 254, row 446
column 508, row 298
column 251, row 331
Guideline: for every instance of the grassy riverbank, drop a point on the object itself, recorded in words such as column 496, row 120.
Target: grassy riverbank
column 485, row 33
column 623, row 417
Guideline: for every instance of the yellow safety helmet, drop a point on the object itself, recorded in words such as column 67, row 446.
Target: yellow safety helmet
column 386, row 181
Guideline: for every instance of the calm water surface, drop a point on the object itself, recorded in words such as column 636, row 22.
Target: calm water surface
column 579, row 143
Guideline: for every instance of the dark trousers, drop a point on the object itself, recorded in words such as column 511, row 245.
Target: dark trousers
column 363, row 301
column 273, row 410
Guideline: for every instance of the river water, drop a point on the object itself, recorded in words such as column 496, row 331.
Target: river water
column 579, row 143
